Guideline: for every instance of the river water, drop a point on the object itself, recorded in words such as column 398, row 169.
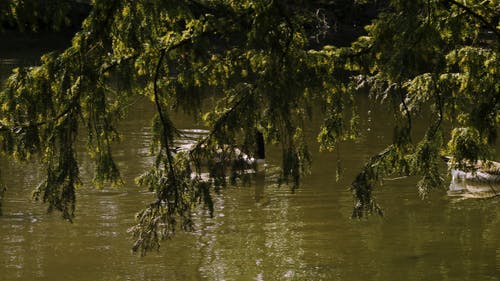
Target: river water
column 258, row 232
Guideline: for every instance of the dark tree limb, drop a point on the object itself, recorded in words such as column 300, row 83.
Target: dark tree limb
column 161, row 113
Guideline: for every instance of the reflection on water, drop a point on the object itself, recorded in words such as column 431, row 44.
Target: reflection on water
column 258, row 232
column 247, row 241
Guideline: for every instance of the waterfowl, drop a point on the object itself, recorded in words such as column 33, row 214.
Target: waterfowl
column 483, row 179
column 480, row 171
column 231, row 156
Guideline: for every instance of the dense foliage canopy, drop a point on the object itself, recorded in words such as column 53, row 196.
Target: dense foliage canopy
column 261, row 65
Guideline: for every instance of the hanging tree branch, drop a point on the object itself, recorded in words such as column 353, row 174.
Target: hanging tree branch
column 16, row 127
column 481, row 18
column 440, row 105
column 219, row 123
column 407, row 113
column 161, row 113
column 163, row 120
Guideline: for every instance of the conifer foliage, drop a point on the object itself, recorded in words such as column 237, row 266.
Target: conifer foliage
column 260, row 65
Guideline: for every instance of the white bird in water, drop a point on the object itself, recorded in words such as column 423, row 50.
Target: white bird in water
column 481, row 181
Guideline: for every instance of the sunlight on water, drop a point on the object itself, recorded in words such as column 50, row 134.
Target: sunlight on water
column 261, row 231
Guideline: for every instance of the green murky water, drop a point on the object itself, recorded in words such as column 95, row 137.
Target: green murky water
column 259, row 232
